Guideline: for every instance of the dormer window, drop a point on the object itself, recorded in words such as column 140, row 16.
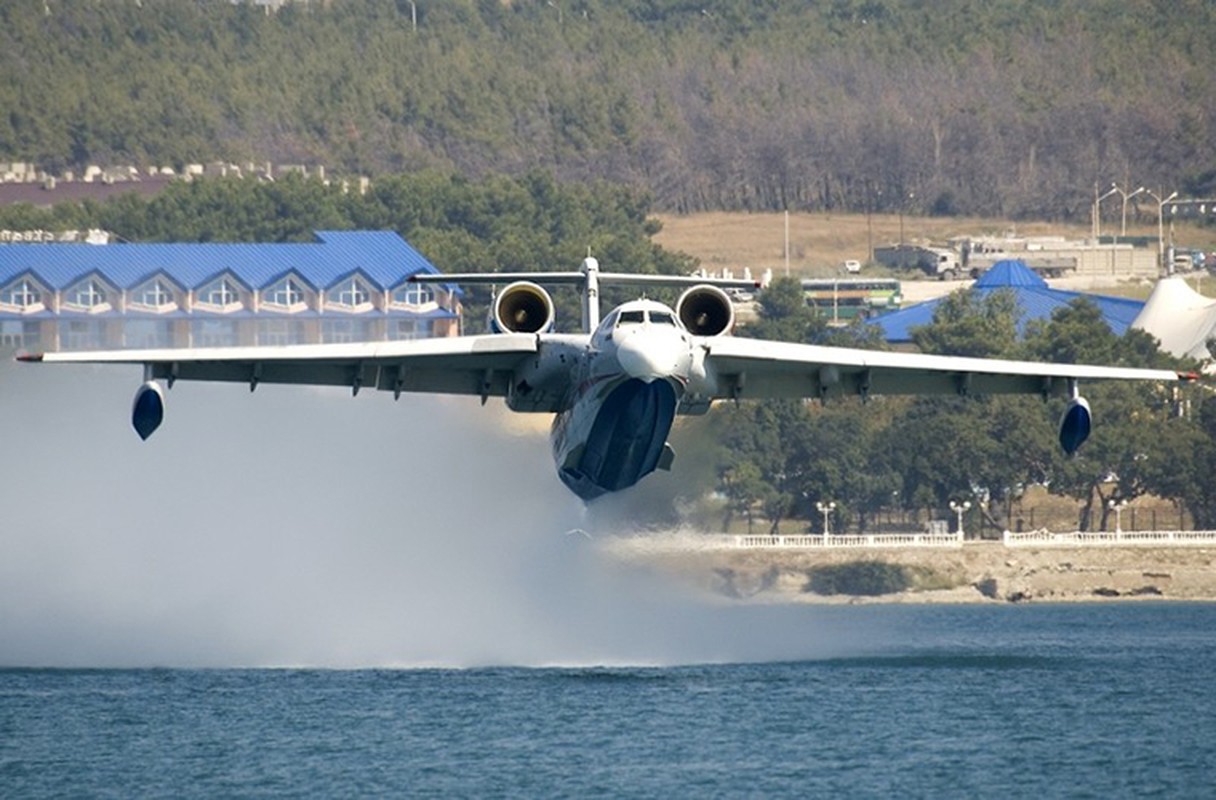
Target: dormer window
column 155, row 295
column 414, row 295
column 221, row 295
column 25, row 296
column 286, row 295
column 89, row 295
column 350, row 295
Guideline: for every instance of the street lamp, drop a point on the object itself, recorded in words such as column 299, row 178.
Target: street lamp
column 826, row 509
column 960, row 509
column 1166, row 268
column 1118, row 509
column 1126, row 196
column 1097, row 215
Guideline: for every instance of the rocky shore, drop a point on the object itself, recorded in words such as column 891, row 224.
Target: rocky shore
column 977, row 572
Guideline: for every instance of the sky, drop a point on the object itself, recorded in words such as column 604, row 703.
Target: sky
column 300, row 527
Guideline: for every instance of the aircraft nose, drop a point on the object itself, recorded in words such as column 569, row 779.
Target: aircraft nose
column 649, row 357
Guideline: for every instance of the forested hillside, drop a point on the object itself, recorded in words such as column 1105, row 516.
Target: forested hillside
column 1008, row 108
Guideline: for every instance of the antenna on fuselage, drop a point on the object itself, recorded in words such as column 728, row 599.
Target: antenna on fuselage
column 591, row 293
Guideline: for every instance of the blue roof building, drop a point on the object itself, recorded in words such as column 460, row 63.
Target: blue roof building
column 344, row 286
column 1036, row 299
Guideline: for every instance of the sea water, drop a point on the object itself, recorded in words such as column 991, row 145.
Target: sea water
column 1088, row 700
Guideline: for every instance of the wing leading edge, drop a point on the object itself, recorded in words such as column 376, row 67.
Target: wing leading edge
column 474, row 365
column 755, row 368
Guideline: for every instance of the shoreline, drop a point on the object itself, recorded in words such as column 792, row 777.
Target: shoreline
column 977, row 572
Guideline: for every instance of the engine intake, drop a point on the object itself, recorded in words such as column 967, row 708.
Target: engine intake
column 706, row 311
column 522, row 307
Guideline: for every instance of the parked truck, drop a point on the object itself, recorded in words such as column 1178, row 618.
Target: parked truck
column 937, row 262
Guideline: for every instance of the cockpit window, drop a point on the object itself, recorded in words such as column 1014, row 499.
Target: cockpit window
column 662, row 318
column 631, row 318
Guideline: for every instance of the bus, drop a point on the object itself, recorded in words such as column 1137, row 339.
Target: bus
column 843, row 300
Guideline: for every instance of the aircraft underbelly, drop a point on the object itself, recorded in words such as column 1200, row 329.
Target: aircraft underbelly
column 625, row 440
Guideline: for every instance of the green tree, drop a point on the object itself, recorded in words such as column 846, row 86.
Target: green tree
column 785, row 315
column 1135, row 425
column 968, row 323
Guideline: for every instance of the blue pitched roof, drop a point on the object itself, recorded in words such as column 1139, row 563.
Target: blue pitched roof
column 1010, row 273
column 1036, row 299
column 383, row 257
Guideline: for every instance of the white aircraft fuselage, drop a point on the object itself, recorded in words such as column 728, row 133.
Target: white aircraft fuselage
column 628, row 385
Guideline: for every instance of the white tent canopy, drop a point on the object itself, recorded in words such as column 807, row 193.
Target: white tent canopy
column 1181, row 318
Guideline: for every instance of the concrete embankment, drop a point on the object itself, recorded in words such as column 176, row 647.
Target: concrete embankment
column 979, row 572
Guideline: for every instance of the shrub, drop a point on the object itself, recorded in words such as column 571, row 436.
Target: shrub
column 863, row 578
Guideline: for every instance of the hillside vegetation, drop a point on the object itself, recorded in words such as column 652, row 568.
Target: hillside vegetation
column 820, row 241
column 1013, row 108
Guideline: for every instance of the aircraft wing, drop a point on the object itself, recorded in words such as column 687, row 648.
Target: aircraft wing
column 476, row 365
column 757, row 368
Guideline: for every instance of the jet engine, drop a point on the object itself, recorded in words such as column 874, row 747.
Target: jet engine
column 522, row 307
column 706, row 311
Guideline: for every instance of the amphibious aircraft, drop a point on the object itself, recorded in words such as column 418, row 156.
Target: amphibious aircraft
column 617, row 386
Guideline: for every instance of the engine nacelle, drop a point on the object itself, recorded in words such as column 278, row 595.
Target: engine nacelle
column 1075, row 424
column 522, row 307
column 706, row 311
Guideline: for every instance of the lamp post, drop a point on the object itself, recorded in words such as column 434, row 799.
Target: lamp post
column 1097, row 215
column 1118, row 509
column 826, row 509
column 960, row 509
column 1165, row 268
column 1126, row 196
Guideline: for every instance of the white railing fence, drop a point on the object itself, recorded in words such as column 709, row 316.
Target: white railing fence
column 853, row 541
column 1039, row 538
column 1046, row 538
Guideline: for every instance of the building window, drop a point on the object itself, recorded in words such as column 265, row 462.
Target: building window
column 156, row 295
column 88, row 295
column 409, row 329
column 81, row 334
column 214, row 333
column 16, row 333
column 222, row 295
column 414, row 295
column 337, row 331
column 352, row 295
column 23, row 295
column 148, row 333
column 286, row 295
column 277, row 332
